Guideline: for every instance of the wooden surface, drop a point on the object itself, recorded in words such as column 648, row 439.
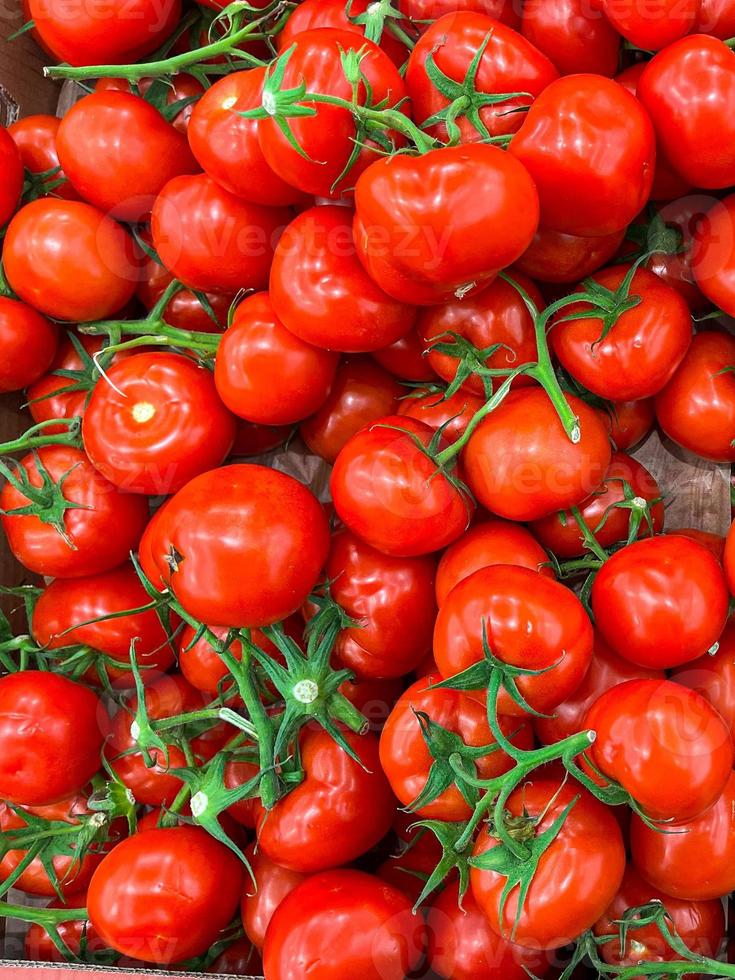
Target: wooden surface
column 21, row 63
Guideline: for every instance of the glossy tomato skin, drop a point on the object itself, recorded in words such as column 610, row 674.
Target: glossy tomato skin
column 573, row 36
column 130, row 420
column 180, row 88
column 311, row 14
column 336, row 814
column 118, row 152
column 606, row 671
column 509, row 63
column 264, row 373
column 212, row 240
column 520, row 463
column 661, row 602
column 561, row 534
column 261, row 897
column 323, row 294
column 452, row 415
column 51, row 734
column 373, row 934
column 556, row 257
column 227, row 519
column 406, row 358
column 35, row 137
column 69, row 260
column 641, row 351
column 226, row 145
column 164, row 894
column 45, row 401
column 663, row 743
column 713, row 253
column 405, row 756
column 590, row 148
column 651, row 29
column 491, row 542
column 448, row 220
column 382, row 491
column 693, row 119
column 11, row 170
column 717, row 18
column 713, row 675
column 362, row 392
column 497, row 315
column 27, row 343
column 495, row 600
column 629, row 422
column 241, row 958
column 252, row 439
column 65, row 609
column 576, row 878
column 392, row 600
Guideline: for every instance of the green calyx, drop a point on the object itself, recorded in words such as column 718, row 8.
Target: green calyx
column 47, row 501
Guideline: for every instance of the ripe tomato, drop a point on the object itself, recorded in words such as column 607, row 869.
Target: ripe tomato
column 433, row 227
column 491, row 542
column 606, row 671
column 713, row 254
column 326, row 138
column 664, row 744
column 716, row 17
column 362, row 392
column 497, row 315
column 66, row 609
column 391, row 599
column 118, row 152
column 556, row 632
column 226, row 145
column 337, row 813
column 35, row 137
column 651, row 29
column 253, row 440
column 184, row 310
column 39, row 946
column 553, row 256
column 673, row 262
column 373, row 933
column 240, row 958
column 425, row 11
column 562, row 534
column 321, row 291
column 209, row 239
column 263, row 893
column 521, row 464
column 332, row 13
column 406, row 759
column 713, row 675
column 45, row 400
column 11, row 170
column 452, row 415
column 212, row 545
column 51, row 733
column 69, row 260
column 661, row 602
column 590, row 148
column 509, row 63
column 573, row 35
column 416, row 856
column 577, row 875
column 179, row 89
column 699, row 925
column 386, row 489
column 406, row 359
column 155, row 422
column 629, row 422
column 164, row 894
column 27, row 344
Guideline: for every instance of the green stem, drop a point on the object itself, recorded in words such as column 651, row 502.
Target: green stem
column 152, row 331
column 34, row 439
column 41, row 915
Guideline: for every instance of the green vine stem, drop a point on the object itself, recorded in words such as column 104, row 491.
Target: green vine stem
column 34, row 437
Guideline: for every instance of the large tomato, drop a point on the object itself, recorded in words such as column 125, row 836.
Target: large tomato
column 573, row 35
column 212, row 544
column 11, row 171
column 423, row 12
column 433, row 227
column 27, row 344
column 163, row 895
column 590, row 148
column 263, row 893
column 69, row 260
column 35, row 137
column 311, row 14
column 713, row 675
column 555, row 257
column 529, row 620
column 661, row 602
column 653, row 27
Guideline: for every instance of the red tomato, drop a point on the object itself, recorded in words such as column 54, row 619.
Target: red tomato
column 237, row 772
column 520, row 463
column 362, row 392
column 51, row 734
column 262, row 896
column 553, row 256
column 713, row 542
column 417, row 856
column 69, row 260
column 406, row 358
column 452, row 415
column 164, row 895
column 688, row 89
column 713, row 675
column 509, row 63
column 651, row 28
column 221, row 528
column 311, row 14
column 573, row 35
column 606, row 671
column 35, row 137
column 406, row 759
column 374, row 698
column 556, row 633
column 27, row 344
column 423, row 11
column 373, row 934
column 226, row 145
column 155, row 422
column 577, row 875
column 336, row 814
column 392, row 600
column 11, row 170
column 38, row 944
column 699, row 925
column 184, row 310
column 385, row 489
column 179, row 89
column 252, row 439
column 661, row 602
column 716, row 17
column 431, row 228
column 241, row 959
column 86, row 611
column 590, row 148
column 256, row 353
column 629, row 422
column 209, row 239
column 491, row 542
column 497, row 315
column 713, row 254
column 664, row 744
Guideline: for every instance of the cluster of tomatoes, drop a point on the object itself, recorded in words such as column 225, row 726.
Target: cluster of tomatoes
column 470, row 714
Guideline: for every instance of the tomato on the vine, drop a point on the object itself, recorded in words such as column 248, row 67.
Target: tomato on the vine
column 27, row 344
column 35, row 137
column 573, row 35
column 39, row 946
column 181, row 91
column 651, row 29
column 555, row 257
column 628, row 422
column 406, row 358
column 263, row 893
column 311, row 14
